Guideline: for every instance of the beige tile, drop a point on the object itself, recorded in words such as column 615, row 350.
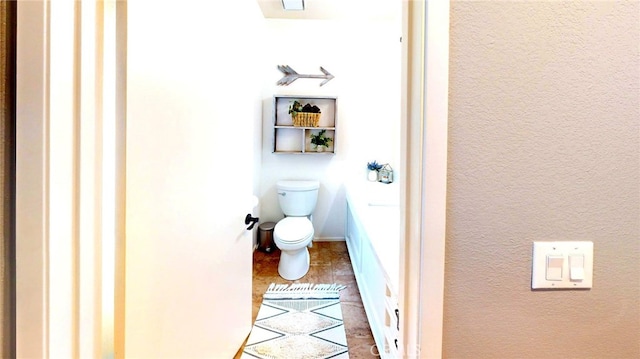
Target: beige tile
column 261, row 283
column 320, row 254
column 342, row 267
column 351, row 293
column 265, row 268
column 318, row 274
column 355, row 320
column 338, row 247
column 362, row 348
column 336, row 253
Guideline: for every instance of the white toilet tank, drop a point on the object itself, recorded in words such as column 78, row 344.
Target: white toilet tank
column 297, row 198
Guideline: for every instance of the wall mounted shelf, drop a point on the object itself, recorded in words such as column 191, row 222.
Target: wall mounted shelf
column 290, row 139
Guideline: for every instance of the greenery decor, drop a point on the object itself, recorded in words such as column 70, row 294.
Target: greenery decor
column 297, row 107
column 320, row 139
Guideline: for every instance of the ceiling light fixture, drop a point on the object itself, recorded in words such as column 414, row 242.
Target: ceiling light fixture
column 293, row 4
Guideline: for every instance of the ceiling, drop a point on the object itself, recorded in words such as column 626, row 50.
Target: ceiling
column 335, row 10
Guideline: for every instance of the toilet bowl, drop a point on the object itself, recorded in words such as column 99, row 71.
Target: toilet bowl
column 293, row 234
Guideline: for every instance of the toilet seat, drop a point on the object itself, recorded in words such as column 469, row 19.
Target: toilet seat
column 292, row 230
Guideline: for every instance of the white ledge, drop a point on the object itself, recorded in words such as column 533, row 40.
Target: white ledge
column 375, row 207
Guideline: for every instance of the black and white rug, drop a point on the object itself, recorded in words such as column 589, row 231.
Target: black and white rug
column 297, row 321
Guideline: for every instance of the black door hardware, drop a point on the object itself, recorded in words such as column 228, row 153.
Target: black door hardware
column 253, row 220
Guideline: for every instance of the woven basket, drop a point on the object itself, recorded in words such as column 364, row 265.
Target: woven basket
column 305, row 119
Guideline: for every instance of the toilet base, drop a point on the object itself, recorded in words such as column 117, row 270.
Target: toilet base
column 293, row 264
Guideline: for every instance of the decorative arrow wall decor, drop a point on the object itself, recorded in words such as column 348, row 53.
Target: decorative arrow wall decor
column 291, row 75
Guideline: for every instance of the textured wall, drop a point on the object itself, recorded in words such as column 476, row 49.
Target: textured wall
column 544, row 145
column 7, row 14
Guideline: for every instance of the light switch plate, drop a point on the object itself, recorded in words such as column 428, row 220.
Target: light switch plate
column 565, row 249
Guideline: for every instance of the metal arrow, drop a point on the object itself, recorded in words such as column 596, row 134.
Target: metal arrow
column 291, row 75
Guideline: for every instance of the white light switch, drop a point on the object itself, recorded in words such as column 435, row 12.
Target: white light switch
column 555, row 263
column 576, row 267
column 563, row 264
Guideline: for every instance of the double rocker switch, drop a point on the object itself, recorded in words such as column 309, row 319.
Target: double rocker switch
column 562, row 264
column 556, row 264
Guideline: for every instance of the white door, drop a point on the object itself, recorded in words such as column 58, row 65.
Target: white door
column 189, row 158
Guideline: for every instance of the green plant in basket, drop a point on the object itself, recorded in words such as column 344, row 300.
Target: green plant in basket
column 296, row 107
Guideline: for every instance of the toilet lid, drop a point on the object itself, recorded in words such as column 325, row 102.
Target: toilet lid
column 293, row 229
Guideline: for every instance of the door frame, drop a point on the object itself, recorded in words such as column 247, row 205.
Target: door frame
column 425, row 73
column 424, row 156
column 61, row 111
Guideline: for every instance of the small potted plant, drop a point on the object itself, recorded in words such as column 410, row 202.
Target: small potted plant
column 320, row 140
column 307, row 115
column 373, row 167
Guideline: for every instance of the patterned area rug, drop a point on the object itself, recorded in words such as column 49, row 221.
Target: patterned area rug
column 298, row 321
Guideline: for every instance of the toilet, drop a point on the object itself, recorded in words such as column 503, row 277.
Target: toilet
column 294, row 233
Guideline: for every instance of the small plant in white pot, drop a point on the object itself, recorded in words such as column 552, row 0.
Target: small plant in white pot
column 373, row 168
column 320, row 141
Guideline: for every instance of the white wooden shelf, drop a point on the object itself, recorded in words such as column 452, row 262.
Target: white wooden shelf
column 290, row 139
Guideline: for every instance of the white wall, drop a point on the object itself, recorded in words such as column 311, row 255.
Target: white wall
column 364, row 57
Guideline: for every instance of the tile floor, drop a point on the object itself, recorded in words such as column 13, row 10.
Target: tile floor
column 330, row 263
